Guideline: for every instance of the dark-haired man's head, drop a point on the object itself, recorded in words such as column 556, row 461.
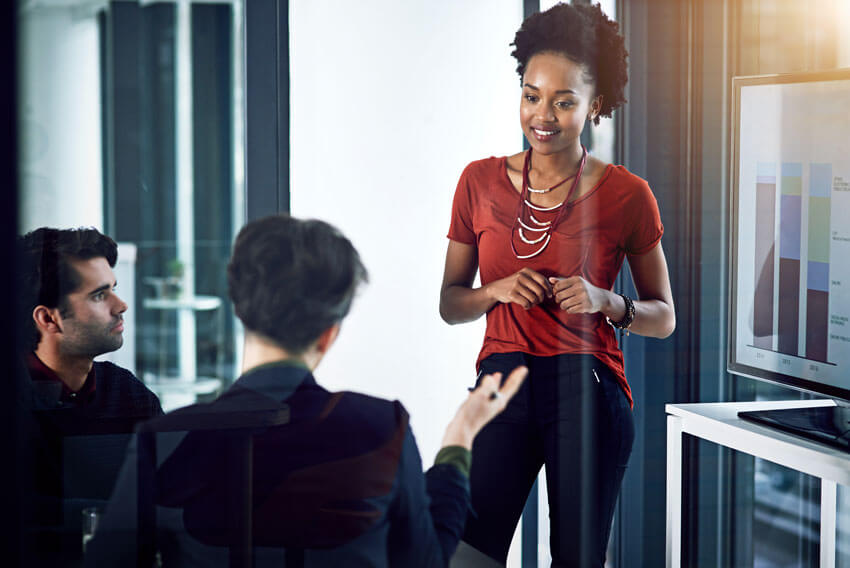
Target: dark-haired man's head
column 66, row 292
column 292, row 280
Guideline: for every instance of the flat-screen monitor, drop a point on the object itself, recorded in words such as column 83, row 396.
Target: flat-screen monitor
column 790, row 233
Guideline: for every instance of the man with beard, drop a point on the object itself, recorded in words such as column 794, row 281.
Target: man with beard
column 83, row 411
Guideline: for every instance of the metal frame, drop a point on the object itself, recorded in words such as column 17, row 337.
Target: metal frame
column 719, row 423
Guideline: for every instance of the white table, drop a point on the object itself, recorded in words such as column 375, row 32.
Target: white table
column 719, row 423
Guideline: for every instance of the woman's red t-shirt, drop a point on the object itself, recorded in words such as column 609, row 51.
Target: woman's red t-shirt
column 619, row 216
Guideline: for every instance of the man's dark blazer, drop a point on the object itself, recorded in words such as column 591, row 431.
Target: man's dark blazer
column 336, row 480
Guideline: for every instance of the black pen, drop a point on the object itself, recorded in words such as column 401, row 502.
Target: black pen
column 493, row 395
column 477, row 378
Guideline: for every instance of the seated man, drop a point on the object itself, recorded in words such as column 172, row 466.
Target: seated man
column 84, row 411
column 330, row 479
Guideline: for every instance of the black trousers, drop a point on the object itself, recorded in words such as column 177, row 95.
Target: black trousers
column 572, row 415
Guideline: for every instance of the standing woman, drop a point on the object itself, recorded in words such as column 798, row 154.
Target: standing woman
column 549, row 229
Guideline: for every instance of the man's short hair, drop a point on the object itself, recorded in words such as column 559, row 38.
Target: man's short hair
column 45, row 274
column 291, row 279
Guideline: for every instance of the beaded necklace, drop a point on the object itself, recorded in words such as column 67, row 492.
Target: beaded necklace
column 525, row 209
column 556, row 186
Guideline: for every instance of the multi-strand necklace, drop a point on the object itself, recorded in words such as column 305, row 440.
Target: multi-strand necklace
column 527, row 227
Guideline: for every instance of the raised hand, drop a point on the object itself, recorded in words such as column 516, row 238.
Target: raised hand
column 481, row 406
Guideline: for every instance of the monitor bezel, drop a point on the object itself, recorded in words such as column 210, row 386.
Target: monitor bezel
column 733, row 366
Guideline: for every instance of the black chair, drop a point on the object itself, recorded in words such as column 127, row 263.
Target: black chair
column 233, row 433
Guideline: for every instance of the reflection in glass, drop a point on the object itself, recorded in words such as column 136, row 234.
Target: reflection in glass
column 786, row 517
column 786, row 504
column 130, row 120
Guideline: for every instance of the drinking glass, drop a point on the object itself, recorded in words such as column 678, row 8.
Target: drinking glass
column 91, row 516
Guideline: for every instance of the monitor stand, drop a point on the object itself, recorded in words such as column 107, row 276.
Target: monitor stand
column 826, row 424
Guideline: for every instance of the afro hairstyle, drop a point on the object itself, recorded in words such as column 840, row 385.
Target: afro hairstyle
column 584, row 34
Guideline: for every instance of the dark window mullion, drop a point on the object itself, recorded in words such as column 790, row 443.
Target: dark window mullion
column 266, row 107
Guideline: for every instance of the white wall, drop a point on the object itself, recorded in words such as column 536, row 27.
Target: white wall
column 390, row 100
column 59, row 117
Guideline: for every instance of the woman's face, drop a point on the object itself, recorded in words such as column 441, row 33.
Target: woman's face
column 556, row 101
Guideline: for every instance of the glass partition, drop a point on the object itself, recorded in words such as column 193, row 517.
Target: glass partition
column 131, row 121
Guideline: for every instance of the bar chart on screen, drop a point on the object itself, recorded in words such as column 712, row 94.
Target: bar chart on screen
column 793, row 231
column 796, row 320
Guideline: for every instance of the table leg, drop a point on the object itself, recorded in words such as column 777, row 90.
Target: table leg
column 828, row 497
column 674, row 492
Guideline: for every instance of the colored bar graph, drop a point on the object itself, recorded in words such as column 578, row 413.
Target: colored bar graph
column 765, row 243
column 817, row 286
column 803, row 251
column 790, row 227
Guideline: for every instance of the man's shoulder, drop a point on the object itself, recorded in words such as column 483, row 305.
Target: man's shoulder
column 109, row 366
column 108, row 371
column 365, row 422
column 371, row 411
column 113, row 380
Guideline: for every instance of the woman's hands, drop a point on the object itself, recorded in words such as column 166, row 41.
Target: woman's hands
column 575, row 295
column 481, row 406
column 460, row 302
column 654, row 312
column 525, row 288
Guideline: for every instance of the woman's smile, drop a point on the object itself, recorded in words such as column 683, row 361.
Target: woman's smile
column 545, row 134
